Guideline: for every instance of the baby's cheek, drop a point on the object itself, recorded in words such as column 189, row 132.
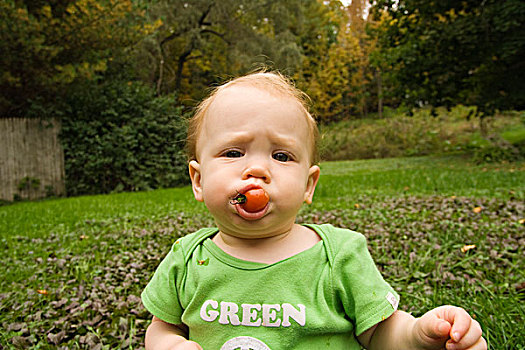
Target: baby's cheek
column 215, row 200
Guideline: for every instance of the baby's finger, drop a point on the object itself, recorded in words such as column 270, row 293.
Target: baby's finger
column 460, row 320
column 481, row 344
column 472, row 336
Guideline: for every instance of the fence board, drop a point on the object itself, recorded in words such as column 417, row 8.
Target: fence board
column 30, row 154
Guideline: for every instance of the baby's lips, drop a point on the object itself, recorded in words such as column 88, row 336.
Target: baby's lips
column 256, row 200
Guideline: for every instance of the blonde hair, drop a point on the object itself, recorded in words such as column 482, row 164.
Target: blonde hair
column 272, row 82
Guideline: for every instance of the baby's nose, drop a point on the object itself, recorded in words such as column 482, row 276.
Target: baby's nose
column 257, row 170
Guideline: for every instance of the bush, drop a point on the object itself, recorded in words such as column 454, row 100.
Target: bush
column 396, row 136
column 399, row 135
column 119, row 137
column 497, row 151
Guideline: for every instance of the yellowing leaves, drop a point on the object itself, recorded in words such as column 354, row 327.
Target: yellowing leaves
column 441, row 18
column 46, row 11
column 467, row 247
column 449, row 15
column 412, row 17
column 22, row 14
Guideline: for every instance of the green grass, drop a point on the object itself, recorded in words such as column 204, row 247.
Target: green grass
column 93, row 255
column 446, row 175
column 63, row 215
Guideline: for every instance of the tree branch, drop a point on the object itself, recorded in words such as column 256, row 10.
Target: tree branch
column 220, row 35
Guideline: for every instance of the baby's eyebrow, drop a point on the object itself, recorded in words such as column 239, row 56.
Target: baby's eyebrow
column 283, row 141
column 239, row 137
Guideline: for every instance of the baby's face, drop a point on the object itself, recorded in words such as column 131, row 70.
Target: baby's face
column 253, row 139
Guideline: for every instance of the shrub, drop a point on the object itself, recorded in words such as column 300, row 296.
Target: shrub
column 119, row 136
column 499, row 150
column 399, row 135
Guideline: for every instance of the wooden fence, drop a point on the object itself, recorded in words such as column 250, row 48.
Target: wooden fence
column 31, row 159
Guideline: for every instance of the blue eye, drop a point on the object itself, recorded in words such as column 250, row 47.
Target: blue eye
column 233, row 154
column 281, row 157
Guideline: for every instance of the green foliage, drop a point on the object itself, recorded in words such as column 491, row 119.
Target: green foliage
column 28, row 183
column 119, row 137
column 494, row 153
column 420, row 134
column 27, row 188
column 47, row 46
column 330, row 88
column 202, row 43
column 445, row 53
column 505, row 142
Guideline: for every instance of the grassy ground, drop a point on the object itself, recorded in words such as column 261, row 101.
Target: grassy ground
column 74, row 268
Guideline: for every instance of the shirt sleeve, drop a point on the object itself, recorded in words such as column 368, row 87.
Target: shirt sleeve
column 161, row 297
column 367, row 299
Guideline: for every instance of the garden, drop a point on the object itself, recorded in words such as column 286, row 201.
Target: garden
column 420, row 107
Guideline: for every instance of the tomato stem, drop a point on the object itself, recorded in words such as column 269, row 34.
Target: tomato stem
column 239, row 199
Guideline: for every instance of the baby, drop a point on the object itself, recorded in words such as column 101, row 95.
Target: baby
column 259, row 280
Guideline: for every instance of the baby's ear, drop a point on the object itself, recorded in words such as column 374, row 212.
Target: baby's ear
column 195, row 176
column 313, row 178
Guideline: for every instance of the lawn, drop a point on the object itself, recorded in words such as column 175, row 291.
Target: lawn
column 442, row 230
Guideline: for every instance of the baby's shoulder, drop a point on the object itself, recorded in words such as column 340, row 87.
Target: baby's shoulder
column 337, row 235
column 188, row 243
column 340, row 241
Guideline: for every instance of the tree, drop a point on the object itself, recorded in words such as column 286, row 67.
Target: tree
column 202, row 42
column 333, row 84
column 344, row 82
column 48, row 45
column 447, row 52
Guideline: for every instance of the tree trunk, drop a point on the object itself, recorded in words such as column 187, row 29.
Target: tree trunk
column 161, row 74
column 180, row 66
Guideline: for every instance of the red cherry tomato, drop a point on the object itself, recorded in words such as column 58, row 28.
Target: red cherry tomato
column 256, row 200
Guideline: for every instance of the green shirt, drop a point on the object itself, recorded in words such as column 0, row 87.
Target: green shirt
column 318, row 299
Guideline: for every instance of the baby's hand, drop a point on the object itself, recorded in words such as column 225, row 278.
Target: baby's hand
column 450, row 326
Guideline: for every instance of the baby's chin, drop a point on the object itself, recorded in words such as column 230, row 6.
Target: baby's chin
column 254, row 229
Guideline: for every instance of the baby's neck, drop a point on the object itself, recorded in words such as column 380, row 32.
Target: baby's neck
column 271, row 249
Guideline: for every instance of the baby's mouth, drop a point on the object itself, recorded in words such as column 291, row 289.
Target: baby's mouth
column 251, row 203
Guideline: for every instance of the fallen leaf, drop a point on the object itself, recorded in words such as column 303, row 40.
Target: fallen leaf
column 56, row 338
column 477, row 210
column 356, row 205
column 42, row 291
column 15, row 326
column 467, row 247
column 20, row 342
